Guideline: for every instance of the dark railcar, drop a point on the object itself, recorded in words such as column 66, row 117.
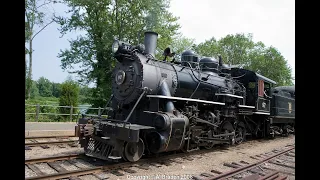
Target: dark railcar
column 283, row 104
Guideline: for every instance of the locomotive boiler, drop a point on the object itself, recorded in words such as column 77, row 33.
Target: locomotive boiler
column 159, row 106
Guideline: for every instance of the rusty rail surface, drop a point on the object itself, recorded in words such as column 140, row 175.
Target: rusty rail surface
column 52, row 158
column 45, row 137
column 63, row 139
column 50, row 142
column 68, row 174
column 241, row 169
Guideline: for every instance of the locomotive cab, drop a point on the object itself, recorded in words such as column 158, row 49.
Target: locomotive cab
column 258, row 89
column 264, row 94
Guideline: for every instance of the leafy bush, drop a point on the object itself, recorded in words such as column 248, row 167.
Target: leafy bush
column 69, row 96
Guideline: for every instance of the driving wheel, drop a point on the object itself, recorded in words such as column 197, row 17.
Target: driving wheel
column 133, row 151
column 240, row 133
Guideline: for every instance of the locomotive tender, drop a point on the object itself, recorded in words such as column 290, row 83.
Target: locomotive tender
column 159, row 106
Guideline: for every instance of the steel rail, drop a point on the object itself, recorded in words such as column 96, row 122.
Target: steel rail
column 45, row 137
column 52, row 158
column 49, row 143
column 245, row 168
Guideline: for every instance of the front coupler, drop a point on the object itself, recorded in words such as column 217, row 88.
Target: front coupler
column 105, row 138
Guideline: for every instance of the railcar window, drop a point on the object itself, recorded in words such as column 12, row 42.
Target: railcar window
column 285, row 93
column 251, row 85
column 267, row 88
column 251, row 94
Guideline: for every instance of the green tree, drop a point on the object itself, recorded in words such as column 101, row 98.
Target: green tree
column 45, row 87
column 34, row 90
column 234, row 49
column 209, row 48
column 181, row 43
column 103, row 21
column 240, row 49
column 34, row 24
column 56, row 89
column 69, row 95
column 85, row 94
column 270, row 63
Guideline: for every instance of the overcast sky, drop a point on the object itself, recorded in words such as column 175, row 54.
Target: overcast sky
column 270, row 21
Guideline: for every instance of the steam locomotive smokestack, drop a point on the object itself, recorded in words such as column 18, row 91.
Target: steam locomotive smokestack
column 150, row 42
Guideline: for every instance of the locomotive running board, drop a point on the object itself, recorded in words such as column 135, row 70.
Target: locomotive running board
column 185, row 99
column 230, row 95
column 244, row 106
column 264, row 113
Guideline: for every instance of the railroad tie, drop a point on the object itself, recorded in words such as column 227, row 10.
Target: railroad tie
column 166, row 163
column 281, row 164
column 236, row 164
column 175, row 161
column 35, row 169
column 61, row 146
column 206, row 175
column 57, row 167
column 155, row 164
column 144, row 167
column 74, row 178
column 254, row 158
column 129, row 170
column 244, row 162
column 116, row 172
column 231, row 165
column 187, row 158
column 215, row 171
column 251, row 177
column 197, row 178
column 270, row 176
column 44, row 146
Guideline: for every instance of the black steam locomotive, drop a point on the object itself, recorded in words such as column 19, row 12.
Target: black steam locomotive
column 159, row 106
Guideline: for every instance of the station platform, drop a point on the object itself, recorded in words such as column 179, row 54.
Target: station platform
column 49, row 129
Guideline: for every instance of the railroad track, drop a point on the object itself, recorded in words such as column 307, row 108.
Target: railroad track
column 46, row 137
column 59, row 167
column 275, row 165
column 58, row 140
column 91, row 166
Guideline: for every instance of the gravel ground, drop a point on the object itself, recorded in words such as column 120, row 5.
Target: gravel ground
column 209, row 161
column 203, row 163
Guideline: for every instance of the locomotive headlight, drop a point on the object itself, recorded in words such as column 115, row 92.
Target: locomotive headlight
column 115, row 46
